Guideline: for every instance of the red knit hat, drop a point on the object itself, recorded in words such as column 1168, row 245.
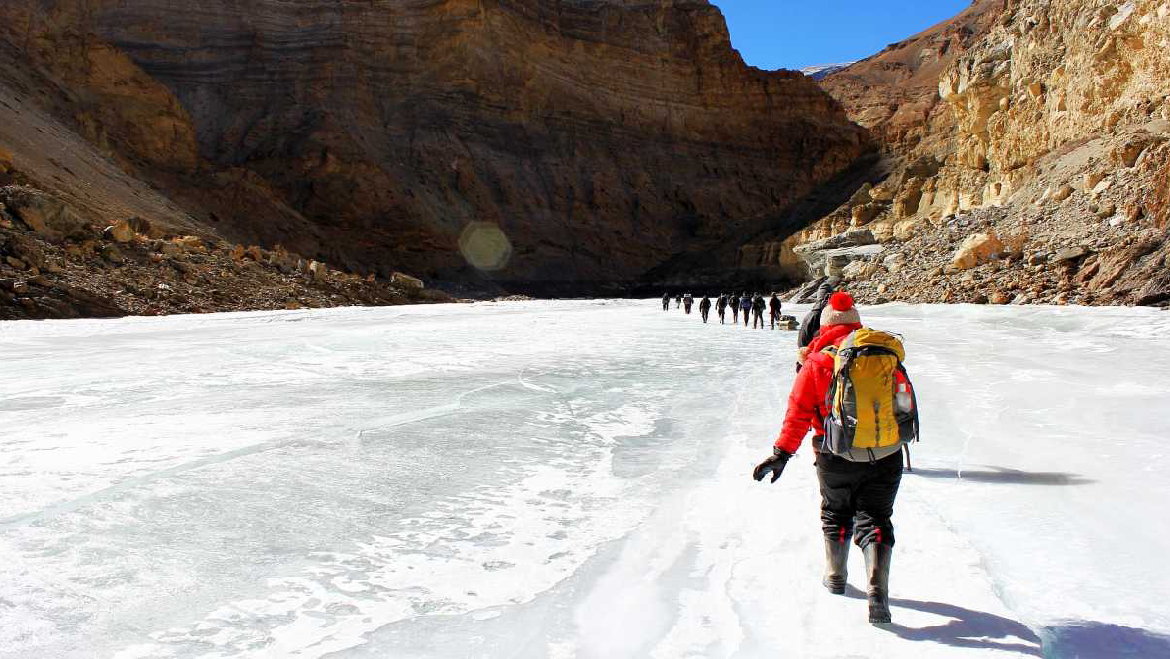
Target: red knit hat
column 841, row 301
column 840, row 311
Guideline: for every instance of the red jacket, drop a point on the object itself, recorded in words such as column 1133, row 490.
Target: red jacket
column 806, row 403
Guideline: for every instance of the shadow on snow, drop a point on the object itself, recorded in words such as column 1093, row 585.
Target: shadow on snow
column 1096, row 640
column 965, row 629
column 1005, row 476
column 985, row 631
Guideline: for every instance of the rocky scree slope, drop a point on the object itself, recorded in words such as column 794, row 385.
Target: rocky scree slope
column 602, row 138
column 74, row 240
column 1045, row 154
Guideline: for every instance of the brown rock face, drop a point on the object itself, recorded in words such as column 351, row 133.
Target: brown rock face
column 1048, row 122
column 603, row 138
column 895, row 92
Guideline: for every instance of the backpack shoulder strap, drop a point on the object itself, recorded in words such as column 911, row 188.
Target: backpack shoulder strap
column 878, row 350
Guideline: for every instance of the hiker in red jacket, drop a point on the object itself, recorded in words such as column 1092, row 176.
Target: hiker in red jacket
column 857, row 491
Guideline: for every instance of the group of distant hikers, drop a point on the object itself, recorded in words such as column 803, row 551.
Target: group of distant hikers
column 853, row 392
column 752, row 306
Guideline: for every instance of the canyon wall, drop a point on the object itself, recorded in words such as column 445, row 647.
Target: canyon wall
column 1045, row 129
column 585, row 143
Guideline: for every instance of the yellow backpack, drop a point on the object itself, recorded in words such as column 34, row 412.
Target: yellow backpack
column 871, row 402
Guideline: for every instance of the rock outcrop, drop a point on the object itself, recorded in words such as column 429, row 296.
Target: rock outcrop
column 122, row 271
column 1047, row 125
column 603, row 138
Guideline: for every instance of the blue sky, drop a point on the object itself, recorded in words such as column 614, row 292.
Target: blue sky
column 791, row 34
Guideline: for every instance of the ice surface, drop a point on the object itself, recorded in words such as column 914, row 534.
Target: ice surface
column 564, row 479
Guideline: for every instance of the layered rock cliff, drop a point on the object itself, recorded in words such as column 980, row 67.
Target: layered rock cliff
column 1044, row 134
column 585, row 143
column 895, row 92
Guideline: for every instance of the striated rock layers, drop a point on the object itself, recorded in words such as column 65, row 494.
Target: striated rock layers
column 895, row 92
column 1049, row 126
column 603, row 138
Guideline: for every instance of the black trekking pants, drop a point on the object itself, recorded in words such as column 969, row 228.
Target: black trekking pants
column 705, row 313
column 722, row 315
column 858, row 498
column 746, row 312
column 758, row 317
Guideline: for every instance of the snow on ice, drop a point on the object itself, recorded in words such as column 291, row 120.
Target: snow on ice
column 565, row 479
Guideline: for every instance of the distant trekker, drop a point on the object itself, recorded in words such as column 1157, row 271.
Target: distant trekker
column 705, row 307
column 734, row 302
column 721, row 306
column 774, row 307
column 758, row 306
column 666, row 301
column 745, row 307
column 688, row 300
column 677, row 301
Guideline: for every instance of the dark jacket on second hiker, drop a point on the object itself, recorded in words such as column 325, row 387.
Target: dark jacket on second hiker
column 812, row 320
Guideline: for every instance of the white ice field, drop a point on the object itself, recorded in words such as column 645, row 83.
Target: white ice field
column 566, row 479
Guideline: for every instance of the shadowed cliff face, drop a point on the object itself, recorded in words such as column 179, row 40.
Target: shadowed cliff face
column 602, row 137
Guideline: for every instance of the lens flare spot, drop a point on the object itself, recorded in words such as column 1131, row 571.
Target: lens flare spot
column 485, row 246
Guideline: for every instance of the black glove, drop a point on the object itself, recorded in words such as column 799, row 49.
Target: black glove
column 773, row 465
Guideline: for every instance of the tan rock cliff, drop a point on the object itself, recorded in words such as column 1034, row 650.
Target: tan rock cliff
column 1050, row 125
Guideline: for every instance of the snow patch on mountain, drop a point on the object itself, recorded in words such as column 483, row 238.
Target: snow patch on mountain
column 819, row 71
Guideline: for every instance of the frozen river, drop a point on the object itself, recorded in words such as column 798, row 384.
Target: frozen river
column 565, row 479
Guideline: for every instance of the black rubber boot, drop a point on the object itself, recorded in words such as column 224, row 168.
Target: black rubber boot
column 877, row 567
column 836, row 565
